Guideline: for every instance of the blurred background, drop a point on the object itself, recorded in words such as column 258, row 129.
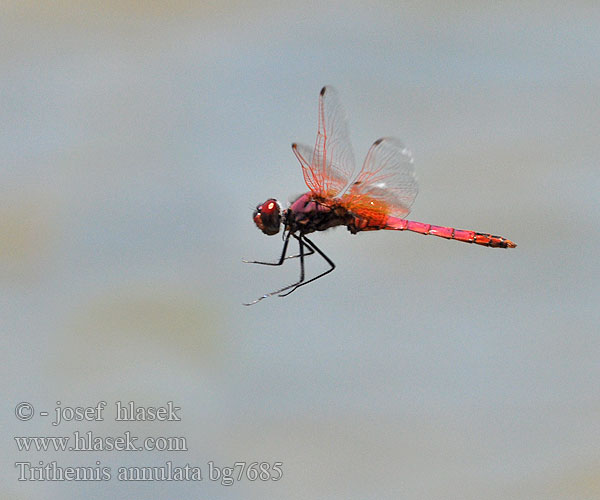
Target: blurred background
column 137, row 137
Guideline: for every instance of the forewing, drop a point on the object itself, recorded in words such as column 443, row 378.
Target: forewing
column 304, row 155
column 386, row 181
column 332, row 163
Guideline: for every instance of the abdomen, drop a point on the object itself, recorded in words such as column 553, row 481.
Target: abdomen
column 488, row 240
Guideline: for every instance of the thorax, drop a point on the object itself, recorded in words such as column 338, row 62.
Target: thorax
column 309, row 213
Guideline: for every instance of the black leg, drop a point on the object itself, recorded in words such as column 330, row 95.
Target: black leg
column 301, row 246
column 281, row 259
column 303, row 243
column 306, row 253
column 301, row 282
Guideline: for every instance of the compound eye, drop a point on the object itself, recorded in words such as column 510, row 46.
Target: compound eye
column 268, row 207
column 267, row 216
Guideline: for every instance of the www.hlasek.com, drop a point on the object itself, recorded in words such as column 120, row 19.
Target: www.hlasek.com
column 88, row 441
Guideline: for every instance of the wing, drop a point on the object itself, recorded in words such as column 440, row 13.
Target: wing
column 386, row 182
column 304, row 155
column 332, row 163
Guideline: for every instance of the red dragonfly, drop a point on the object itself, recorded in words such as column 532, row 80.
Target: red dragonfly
column 379, row 196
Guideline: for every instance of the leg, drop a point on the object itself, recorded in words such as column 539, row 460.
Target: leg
column 307, row 252
column 281, row 259
column 301, row 282
column 301, row 246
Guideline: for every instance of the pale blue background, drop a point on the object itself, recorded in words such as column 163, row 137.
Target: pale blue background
column 135, row 140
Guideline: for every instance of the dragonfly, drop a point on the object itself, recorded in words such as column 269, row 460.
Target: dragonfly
column 378, row 196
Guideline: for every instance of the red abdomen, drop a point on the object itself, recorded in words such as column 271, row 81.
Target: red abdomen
column 488, row 240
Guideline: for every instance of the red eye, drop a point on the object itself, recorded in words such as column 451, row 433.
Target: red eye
column 267, row 216
column 268, row 207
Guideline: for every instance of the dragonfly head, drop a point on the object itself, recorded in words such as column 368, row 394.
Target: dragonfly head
column 267, row 216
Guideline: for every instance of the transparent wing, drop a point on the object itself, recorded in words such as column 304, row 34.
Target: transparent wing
column 386, row 182
column 332, row 163
column 304, row 154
